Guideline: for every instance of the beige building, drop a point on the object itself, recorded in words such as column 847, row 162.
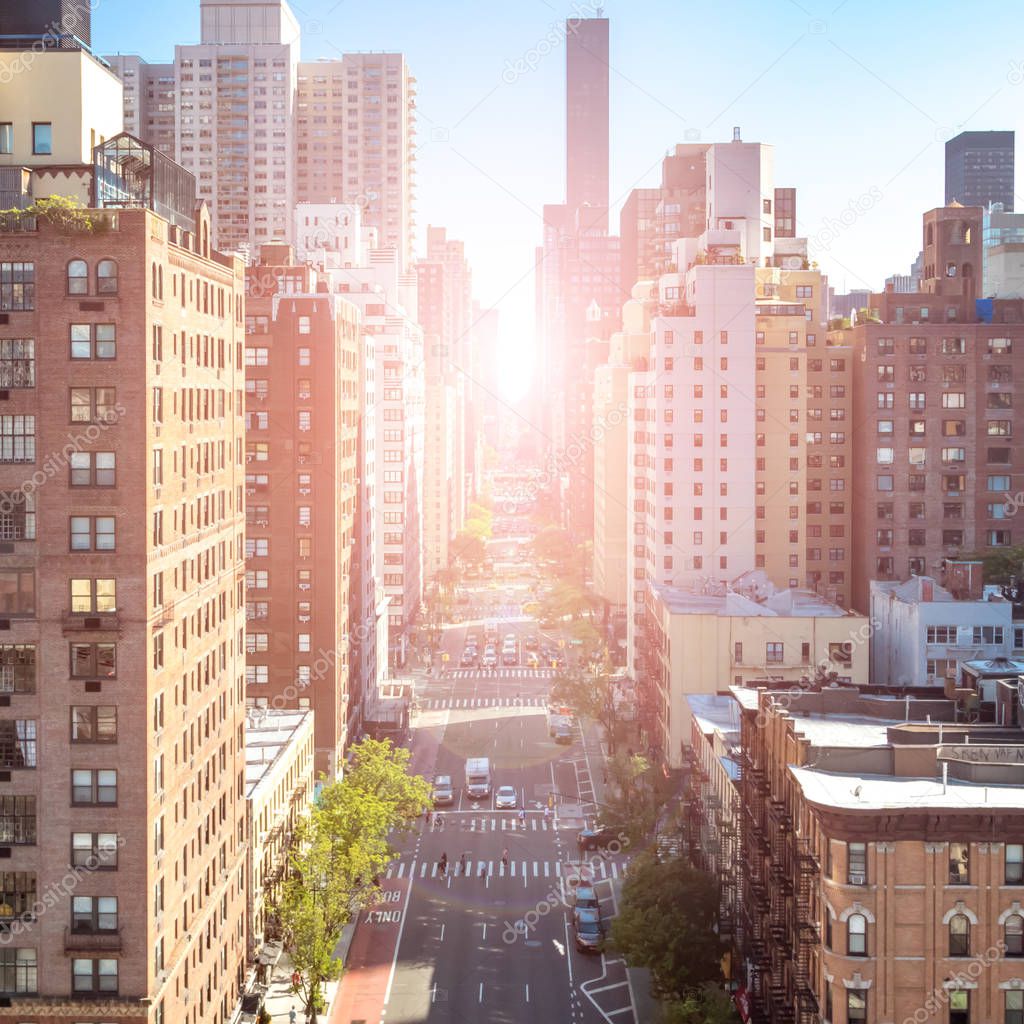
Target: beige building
column 47, row 135
column 279, row 756
column 701, row 642
column 628, row 349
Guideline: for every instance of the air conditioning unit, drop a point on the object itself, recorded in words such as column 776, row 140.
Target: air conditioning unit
column 305, row 586
column 305, row 490
column 856, row 878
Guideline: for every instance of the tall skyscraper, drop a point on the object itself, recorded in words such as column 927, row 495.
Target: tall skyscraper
column 979, row 169
column 234, row 116
column 586, row 122
column 123, row 815
column 356, row 125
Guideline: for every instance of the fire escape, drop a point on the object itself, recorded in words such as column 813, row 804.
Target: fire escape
column 756, row 899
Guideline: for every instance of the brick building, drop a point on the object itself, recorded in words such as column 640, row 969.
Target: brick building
column 882, row 861
column 122, row 816
column 935, row 467
column 302, row 404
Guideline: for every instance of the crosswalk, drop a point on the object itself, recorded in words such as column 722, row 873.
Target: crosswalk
column 451, row 703
column 499, row 673
column 596, row 869
column 509, row 822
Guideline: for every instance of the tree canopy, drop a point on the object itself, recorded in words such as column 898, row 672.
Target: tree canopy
column 339, row 851
column 666, row 923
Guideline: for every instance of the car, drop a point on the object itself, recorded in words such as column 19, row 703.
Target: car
column 509, row 658
column 506, row 799
column 588, row 931
column 563, row 733
column 532, row 643
column 533, row 660
column 585, row 898
column 443, row 794
column 510, row 638
column 471, row 640
column 597, row 838
column 489, row 660
column 468, row 659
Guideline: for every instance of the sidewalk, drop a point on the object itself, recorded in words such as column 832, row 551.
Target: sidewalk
column 647, row 1007
column 280, row 998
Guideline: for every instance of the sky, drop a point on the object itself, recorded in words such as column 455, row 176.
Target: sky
column 857, row 96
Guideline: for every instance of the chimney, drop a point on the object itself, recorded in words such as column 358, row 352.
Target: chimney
column 736, row 135
column 927, row 589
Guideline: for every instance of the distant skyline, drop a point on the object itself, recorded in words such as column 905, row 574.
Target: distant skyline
column 858, row 99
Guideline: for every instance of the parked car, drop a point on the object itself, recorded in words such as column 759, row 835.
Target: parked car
column 586, row 898
column 597, row 838
column 506, row 798
column 443, row 793
column 563, row 733
column 252, row 1007
column 588, row 931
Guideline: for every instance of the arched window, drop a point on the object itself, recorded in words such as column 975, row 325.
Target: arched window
column 153, row 283
column 160, row 283
column 106, row 277
column 959, row 935
column 857, row 935
column 78, row 277
column 1014, row 935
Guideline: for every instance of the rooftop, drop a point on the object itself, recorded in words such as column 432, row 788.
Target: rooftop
column 746, row 598
column 714, row 712
column 883, row 792
column 268, row 733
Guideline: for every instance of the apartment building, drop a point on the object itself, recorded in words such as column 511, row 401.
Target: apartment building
column 356, row 141
column 127, row 777
column 882, row 861
column 934, row 461
column 234, row 124
column 302, row 358
column 279, row 779
column 699, row 641
column 628, row 350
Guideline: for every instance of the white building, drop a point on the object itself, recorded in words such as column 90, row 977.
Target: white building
column 334, row 228
column 922, row 634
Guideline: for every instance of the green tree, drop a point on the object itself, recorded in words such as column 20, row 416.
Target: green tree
column 711, row 1005
column 553, row 543
column 340, row 849
column 666, row 923
column 999, row 564
column 637, row 796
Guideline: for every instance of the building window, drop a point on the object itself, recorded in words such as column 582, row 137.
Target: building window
column 78, row 277
column 959, row 863
column 18, row 970
column 856, row 1006
column 88, row 405
column 106, row 277
column 91, row 661
column 93, row 341
column 17, row 592
column 91, row 914
column 1013, row 1006
column 857, row 865
column 6, row 138
column 93, row 786
column 959, row 935
column 97, row 596
column 17, row 286
column 94, row 976
column 959, row 1006
column 1013, row 934
column 18, row 743
column 17, row 438
column 18, row 820
column 17, row 516
column 773, row 653
column 42, row 138
column 92, row 469
column 92, row 533
column 1013, row 870
column 94, row 724
column 857, row 935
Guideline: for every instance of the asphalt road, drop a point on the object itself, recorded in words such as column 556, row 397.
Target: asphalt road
column 490, row 942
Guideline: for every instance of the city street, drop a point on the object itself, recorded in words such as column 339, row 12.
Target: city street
column 485, row 941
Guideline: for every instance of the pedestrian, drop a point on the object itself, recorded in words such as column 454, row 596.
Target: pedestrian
column 296, row 980
column 547, row 813
column 483, row 869
column 504, row 859
column 462, row 865
column 426, row 817
column 442, row 864
column 292, row 1016
column 522, row 814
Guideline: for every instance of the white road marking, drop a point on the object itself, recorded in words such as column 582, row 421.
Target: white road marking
column 527, row 993
column 545, row 869
column 442, row 931
column 401, row 870
column 536, row 871
column 481, row 991
column 398, row 943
